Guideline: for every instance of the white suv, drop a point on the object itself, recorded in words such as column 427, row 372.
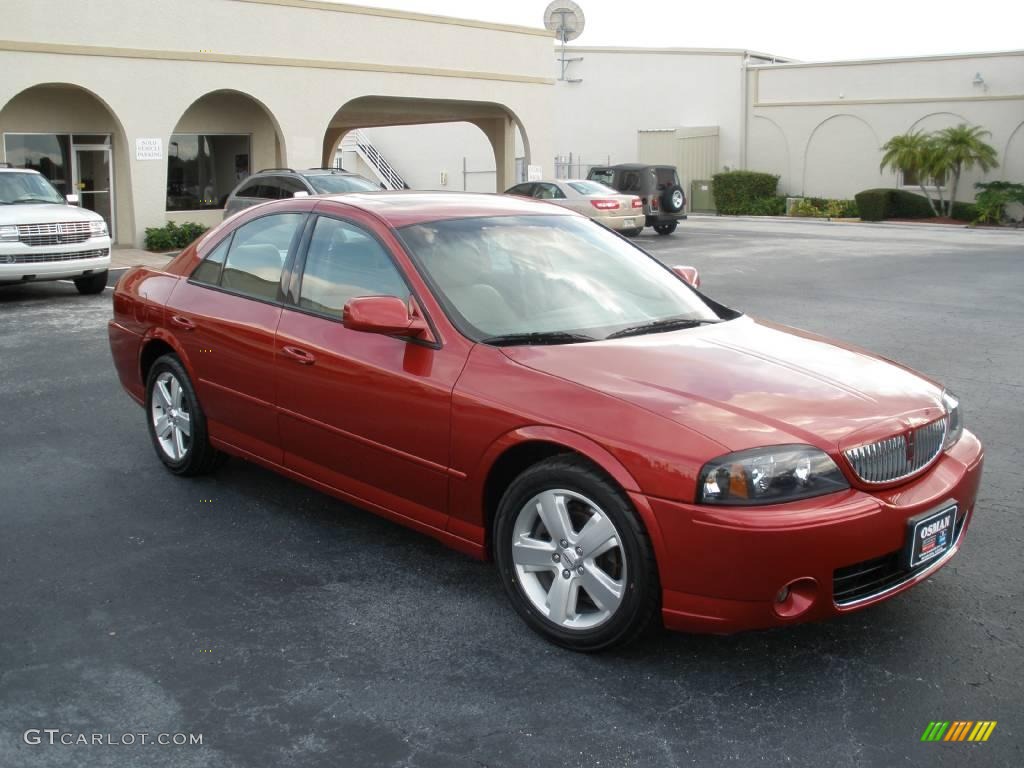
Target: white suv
column 45, row 237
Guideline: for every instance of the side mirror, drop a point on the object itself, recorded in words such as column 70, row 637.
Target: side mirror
column 73, row 199
column 301, row 193
column 388, row 315
column 688, row 275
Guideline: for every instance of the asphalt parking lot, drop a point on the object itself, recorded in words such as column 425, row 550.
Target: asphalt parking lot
column 291, row 630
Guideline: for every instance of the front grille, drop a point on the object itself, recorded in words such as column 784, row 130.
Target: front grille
column 54, row 234
column 861, row 581
column 893, row 459
column 36, row 258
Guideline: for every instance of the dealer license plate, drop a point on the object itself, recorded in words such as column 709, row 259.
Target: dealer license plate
column 930, row 535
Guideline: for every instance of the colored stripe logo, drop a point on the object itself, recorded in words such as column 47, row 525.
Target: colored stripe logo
column 958, row 730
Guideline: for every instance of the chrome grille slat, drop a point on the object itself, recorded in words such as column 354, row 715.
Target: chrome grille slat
column 56, row 233
column 41, row 258
column 885, row 461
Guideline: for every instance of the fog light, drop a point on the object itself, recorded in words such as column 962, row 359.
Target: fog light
column 795, row 598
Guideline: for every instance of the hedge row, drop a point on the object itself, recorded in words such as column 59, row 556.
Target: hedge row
column 736, row 191
column 881, row 204
column 172, row 237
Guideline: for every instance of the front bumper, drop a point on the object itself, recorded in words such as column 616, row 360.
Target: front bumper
column 725, row 567
column 21, row 263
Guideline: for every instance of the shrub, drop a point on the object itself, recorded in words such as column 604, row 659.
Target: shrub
column 766, row 206
column 823, row 208
column 172, row 237
column 736, row 191
column 966, row 211
column 805, row 207
column 880, row 204
column 990, row 205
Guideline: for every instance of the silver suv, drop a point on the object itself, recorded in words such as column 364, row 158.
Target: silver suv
column 279, row 183
column 44, row 236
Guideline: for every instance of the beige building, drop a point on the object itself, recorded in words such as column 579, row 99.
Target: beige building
column 152, row 120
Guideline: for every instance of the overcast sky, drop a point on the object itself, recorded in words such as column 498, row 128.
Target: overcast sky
column 812, row 30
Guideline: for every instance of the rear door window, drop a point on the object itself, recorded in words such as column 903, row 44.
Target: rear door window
column 257, row 254
column 667, row 177
column 629, row 181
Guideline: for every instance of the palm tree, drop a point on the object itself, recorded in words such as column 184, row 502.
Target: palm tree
column 962, row 148
column 909, row 153
column 935, row 166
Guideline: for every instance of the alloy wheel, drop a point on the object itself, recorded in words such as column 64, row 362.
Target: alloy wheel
column 569, row 559
column 172, row 420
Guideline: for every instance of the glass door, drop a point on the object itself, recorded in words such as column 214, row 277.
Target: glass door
column 94, row 181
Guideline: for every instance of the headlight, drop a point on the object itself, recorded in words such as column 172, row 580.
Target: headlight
column 955, row 428
column 771, row 475
column 8, row 233
column 97, row 228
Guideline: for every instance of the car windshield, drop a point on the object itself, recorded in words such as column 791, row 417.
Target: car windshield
column 548, row 276
column 592, row 188
column 335, row 184
column 26, row 188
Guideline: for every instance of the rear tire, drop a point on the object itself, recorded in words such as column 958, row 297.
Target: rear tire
column 573, row 556
column 673, row 199
column 666, row 229
column 177, row 424
column 92, row 283
column 632, row 232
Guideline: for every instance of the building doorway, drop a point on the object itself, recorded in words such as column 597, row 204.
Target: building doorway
column 94, row 180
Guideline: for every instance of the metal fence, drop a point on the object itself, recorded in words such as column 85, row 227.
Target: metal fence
column 573, row 166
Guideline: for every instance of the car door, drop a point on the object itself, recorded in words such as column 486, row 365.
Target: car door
column 225, row 316
column 364, row 413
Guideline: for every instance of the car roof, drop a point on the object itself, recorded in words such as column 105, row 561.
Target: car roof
column 305, row 172
column 631, row 166
column 19, row 170
column 404, row 208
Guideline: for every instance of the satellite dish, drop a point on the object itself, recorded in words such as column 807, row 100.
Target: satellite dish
column 565, row 19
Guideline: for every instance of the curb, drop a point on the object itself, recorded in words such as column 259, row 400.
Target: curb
column 888, row 224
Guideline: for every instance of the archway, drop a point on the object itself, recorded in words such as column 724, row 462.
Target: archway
column 223, row 137
column 500, row 127
column 71, row 136
column 841, row 158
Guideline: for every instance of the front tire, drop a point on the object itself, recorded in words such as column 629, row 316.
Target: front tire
column 92, row 284
column 574, row 557
column 665, row 229
column 177, row 424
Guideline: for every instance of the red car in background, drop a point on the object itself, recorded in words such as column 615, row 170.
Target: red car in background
column 523, row 384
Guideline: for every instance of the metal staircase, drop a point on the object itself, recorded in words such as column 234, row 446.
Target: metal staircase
column 357, row 141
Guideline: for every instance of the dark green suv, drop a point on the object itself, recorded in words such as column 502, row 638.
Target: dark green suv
column 658, row 187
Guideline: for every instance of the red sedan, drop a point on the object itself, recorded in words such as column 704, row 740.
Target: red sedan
column 523, row 384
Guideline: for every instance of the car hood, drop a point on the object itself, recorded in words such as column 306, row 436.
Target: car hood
column 44, row 213
column 747, row 383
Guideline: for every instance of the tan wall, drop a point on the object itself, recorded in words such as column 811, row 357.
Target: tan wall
column 821, row 126
column 57, row 109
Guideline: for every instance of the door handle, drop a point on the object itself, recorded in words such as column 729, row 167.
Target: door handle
column 300, row 356
column 183, row 322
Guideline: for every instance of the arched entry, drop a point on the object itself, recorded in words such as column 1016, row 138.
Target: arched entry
column 497, row 123
column 223, row 137
column 72, row 137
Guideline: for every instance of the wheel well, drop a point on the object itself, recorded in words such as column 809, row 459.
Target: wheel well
column 510, row 465
column 150, row 354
